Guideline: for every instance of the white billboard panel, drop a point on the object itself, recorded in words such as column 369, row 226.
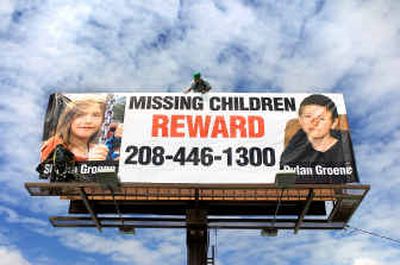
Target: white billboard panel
column 204, row 138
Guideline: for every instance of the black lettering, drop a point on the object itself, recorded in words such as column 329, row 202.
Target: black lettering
column 157, row 102
column 266, row 103
column 135, row 103
column 197, row 103
column 290, row 104
column 214, row 103
column 227, row 103
column 236, row 103
column 133, row 150
column 242, row 105
column 185, row 103
column 278, row 104
column 254, row 103
column 168, row 103
column 148, row 103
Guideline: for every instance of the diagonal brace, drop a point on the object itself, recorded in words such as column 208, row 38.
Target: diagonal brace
column 89, row 208
column 305, row 210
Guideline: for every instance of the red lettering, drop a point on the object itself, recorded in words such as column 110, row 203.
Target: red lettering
column 256, row 126
column 200, row 127
column 219, row 128
column 237, row 123
column 180, row 126
column 177, row 122
column 160, row 124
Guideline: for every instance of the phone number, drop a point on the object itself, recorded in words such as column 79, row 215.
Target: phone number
column 201, row 156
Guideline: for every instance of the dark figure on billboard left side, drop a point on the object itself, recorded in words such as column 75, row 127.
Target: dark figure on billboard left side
column 318, row 140
column 199, row 85
column 78, row 130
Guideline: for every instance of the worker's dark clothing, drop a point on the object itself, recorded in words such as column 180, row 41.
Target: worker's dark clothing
column 200, row 86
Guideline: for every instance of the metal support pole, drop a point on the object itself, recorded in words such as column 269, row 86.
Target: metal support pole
column 89, row 208
column 196, row 237
column 335, row 209
column 305, row 210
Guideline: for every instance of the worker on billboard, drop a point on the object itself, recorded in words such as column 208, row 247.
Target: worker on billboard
column 199, row 85
column 318, row 140
column 78, row 130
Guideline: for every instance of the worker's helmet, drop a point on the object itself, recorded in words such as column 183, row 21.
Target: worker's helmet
column 196, row 75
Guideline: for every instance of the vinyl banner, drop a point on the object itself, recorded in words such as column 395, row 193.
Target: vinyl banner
column 200, row 138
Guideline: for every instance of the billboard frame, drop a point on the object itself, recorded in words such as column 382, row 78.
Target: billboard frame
column 198, row 201
column 345, row 199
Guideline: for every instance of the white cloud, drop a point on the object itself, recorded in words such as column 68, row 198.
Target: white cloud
column 12, row 216
column 11, row 256
column 154, row 250
column 342, row 39
column 6, row 9
column 346, row 46
column 365, row 261
column 308, row 247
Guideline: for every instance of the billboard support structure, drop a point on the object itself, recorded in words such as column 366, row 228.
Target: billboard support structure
column 90, row 209
column 198, row 208
column 304, row 211
column 196, row 236
column 220, row 201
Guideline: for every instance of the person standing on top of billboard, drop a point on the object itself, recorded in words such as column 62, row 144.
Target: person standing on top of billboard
column 318, row 140
column 198, row 85
column 78, row 130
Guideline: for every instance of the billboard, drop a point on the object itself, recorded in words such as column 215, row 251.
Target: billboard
column 198, row 138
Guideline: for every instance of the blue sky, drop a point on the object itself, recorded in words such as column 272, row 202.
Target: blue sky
column 350, row 47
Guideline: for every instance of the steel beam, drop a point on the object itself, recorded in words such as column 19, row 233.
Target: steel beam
column 196, row 236
column 304, row 212
column 90, row 209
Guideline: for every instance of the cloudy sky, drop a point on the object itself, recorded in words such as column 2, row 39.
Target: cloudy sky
column 349, row 47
